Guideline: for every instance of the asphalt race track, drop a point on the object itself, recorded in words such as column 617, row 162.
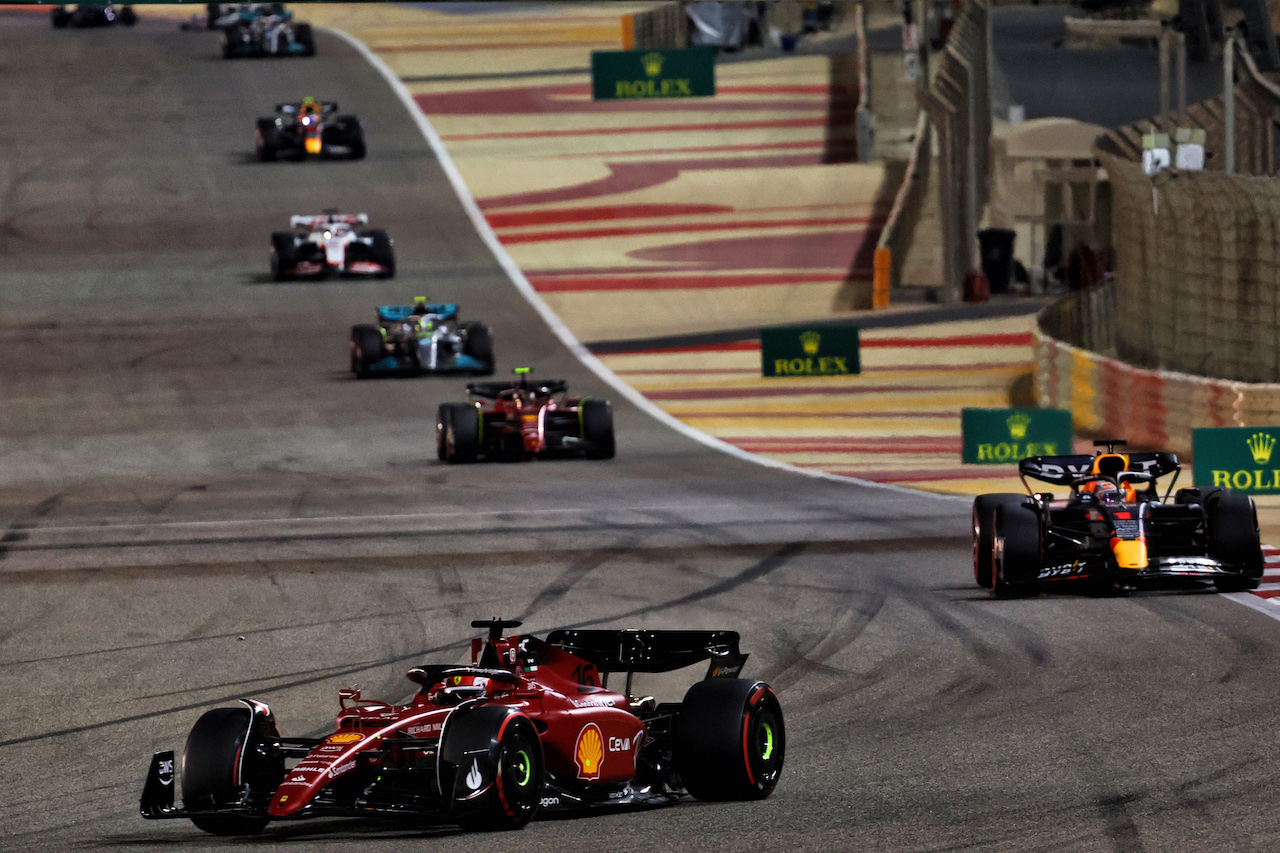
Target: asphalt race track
column 198, row 504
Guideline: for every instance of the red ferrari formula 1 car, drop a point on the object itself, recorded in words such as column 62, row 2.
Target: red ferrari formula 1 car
column 526, row 419
column 530, row 724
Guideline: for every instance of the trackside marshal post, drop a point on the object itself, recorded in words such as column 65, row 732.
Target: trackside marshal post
column 634, row 74
column 1007, row 436
column 809, row 351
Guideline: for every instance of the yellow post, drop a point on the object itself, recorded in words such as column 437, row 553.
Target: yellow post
column 628, row 32
column 880, row 279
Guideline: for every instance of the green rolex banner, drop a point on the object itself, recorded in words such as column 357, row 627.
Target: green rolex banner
column 1242, row 459
column 809, row 351
column 1007, row 436
column 629, row 74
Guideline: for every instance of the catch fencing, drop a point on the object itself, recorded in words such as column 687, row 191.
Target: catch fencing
column 662, row 27
column 1188, row 333
column 958, row 103
column 1257, row 125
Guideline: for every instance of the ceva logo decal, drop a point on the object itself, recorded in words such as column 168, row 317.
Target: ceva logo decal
column 589, row 752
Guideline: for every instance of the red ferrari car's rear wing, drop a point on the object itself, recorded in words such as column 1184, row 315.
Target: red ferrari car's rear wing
column 654, row 651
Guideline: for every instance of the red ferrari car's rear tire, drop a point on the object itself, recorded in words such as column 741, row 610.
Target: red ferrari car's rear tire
column 597, row 429
column 729, row 740
column 212, row 764
column 460, row 430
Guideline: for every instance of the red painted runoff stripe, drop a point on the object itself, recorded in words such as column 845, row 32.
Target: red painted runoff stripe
column 557, row 216
column 925, row 444
column 736, row 345
column 681, row 228
column 660, row 128
column 793, row 390
column 802, row 413
column 1016, row 339
column 909, row 476
column 998, row 340
column 567, row 284
column 697, row 149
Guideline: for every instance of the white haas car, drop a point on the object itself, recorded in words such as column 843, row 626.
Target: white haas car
column 331, row 243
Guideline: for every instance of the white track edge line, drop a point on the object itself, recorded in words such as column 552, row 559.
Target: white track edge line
column 1253, row 602
column 557, row 326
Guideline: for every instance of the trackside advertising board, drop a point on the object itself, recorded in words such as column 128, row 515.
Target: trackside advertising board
column 632, row 74
column 1243, row 459
column 1007, row 436
column 805, row 351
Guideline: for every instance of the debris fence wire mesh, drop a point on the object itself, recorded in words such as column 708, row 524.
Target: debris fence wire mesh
column 1198, row 272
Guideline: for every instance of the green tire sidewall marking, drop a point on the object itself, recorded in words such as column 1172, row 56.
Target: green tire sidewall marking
column 768, row 741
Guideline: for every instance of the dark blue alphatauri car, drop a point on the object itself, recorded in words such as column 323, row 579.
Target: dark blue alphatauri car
column 421, row 338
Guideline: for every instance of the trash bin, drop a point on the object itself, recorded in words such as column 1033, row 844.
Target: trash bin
column 996, row 245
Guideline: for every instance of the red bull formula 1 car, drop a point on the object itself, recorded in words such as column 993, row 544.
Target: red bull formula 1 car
column 310, row 127
column 1114, row 529
column 331, row 243
column 528, row 725
column 524, row 419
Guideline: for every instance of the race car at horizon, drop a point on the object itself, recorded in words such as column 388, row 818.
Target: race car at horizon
column 263, row 29
column 423, row 337
column 331, row 243
column 92, row 15
column 309, row 127
column 528, row 725
column 1113, row 531
column 525, row 419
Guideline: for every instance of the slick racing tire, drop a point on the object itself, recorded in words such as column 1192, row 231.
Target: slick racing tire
column 366, row 349
column 597, row 428
column 729, row 740
column 212, row 768
column 381, row 252
column 303, row 36
column 266, row 139
column 459, row 430
column 232, row 37
column 1017, row 551
column 478, row 343
column 128, row 17
column 60, row 17
column 1234, row 540
column 352, row 134
column 284, row 255
column 495, row 750
column 984, row 519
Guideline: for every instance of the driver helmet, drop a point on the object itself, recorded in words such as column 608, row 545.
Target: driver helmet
column 459, row 688
column 420, row 305
column 1106, row 491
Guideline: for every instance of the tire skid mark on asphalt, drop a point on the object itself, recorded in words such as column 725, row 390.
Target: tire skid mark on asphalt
column 860, row 611
column 774, row 560
column 243, row 632
column 19, row 530
column 906, row 544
